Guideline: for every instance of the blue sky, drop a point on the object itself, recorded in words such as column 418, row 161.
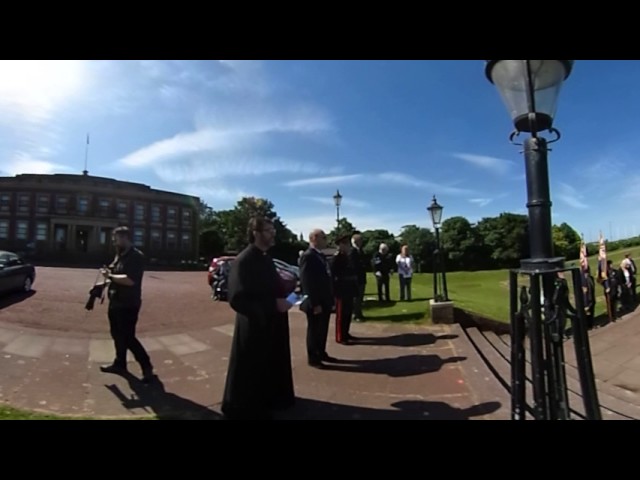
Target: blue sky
column 388, row 134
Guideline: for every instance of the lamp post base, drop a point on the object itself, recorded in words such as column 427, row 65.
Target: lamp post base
column 442, row 312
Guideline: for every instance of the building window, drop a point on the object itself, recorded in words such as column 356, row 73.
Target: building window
column 171, row 241
column 43, row 204
column 156, row 240
column 186, row 241
column 22, row 230
column 139, row 213
column 4, row 229
column 156, row 217
column 138, row 237
column 172, row 215
column 24, row 203
column 62, row 204
column 123, row 208
column 5, row 202
column 42, row 230
column 105, row 234
column 186, row 217
column 104, row 207
column 83, row 205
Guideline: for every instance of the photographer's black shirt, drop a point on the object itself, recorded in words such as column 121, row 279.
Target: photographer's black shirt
column 131, row 264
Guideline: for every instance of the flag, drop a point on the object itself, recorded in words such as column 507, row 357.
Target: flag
column 602, row 260
column 584, row 260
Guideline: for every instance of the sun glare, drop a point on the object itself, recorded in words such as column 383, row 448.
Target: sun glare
column 39, row 82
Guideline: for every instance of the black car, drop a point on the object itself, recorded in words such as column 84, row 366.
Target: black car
column 15, row 274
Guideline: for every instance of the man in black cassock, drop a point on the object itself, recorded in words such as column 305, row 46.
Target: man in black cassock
column 259, row 377
column 315, row 276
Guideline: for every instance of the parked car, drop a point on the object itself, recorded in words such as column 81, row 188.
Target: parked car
column 15, row 274
column 219, row 268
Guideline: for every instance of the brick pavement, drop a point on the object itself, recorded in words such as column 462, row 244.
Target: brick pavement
column 47, row 364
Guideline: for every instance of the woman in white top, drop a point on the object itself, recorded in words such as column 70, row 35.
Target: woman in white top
column 404, row 261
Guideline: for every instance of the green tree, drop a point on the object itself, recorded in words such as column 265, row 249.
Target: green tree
column 505, row 239
column 566, row 241
column 458, row 240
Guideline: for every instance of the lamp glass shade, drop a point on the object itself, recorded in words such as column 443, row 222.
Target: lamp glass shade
column 511, row 78
column 435, row 210
column 337, row 198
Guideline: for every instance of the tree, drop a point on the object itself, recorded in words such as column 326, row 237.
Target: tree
column 458, row 239
column 505, row 239
column 421, row 243
column 566, row 241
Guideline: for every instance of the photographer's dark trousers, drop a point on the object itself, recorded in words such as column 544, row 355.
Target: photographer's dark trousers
column 317, row 333
column 122, row 321
column 383, row 283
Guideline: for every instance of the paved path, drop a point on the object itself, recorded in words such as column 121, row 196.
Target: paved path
column 396, row 372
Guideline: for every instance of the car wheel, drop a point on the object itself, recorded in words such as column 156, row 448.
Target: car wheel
column 27, row 285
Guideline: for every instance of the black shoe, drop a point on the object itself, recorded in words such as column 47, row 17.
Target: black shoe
column 327, row 358
column 316, row 364
column 113, row 368
column 351, row 338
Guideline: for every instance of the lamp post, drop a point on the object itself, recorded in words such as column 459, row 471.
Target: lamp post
column 440, row 293
column 530, row 91
column 337, row 199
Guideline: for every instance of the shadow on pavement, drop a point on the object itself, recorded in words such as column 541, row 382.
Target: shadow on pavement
column 307, row 409
column 405, row 366
column 13, row 298
column 404, row 340
column 164, row 405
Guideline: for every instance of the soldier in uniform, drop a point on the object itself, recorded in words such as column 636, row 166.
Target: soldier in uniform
column 345, row 287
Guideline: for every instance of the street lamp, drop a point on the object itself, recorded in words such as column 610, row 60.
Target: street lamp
column 440, row 293
column 530, row 91
column 337, row 199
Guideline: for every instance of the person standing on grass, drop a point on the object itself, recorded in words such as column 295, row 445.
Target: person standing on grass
column 382, row 269
column 359, row 264
column 404, row 262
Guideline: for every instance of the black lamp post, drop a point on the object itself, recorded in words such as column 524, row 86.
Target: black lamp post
column 337, row 199
column 530, row 90
column 440, row 293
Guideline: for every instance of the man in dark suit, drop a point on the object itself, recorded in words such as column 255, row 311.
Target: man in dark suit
column 315, row 277
column 359, row 264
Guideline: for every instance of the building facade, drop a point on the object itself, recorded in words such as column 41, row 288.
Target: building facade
column 69, row 218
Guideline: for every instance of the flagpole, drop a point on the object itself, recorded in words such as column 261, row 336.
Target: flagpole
column 86, row 157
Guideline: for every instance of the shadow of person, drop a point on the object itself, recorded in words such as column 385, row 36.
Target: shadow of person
column 11, row 299
column 154, row 398
column 308, row 409
column 405, row 366
column 404, row 340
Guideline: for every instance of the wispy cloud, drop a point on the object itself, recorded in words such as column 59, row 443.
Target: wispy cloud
column 211, row 194
column 570, row 196
column 24, row 163
column 331, row 180
column 386, row 178
column 481, row 202
column 347, row 202
column 493, row 164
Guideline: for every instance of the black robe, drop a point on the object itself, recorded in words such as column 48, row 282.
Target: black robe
column 259, row 376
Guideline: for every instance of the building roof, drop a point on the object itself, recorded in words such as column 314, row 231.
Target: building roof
column 87, row 180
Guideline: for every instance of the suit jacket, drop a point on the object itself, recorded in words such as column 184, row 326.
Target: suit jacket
column 359, row 264
column 315, row 277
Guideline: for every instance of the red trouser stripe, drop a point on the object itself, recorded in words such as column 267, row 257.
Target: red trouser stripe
column 339, row 320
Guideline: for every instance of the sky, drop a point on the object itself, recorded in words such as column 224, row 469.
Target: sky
column 389, row 134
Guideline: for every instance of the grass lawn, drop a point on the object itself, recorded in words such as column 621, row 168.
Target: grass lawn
column 484, row 293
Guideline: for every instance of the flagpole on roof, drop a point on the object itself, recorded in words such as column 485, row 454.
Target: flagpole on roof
column 86, row 157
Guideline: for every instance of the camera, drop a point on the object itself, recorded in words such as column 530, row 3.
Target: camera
column 94, row 294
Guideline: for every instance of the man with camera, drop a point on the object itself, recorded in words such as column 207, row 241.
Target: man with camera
column 124, row 281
